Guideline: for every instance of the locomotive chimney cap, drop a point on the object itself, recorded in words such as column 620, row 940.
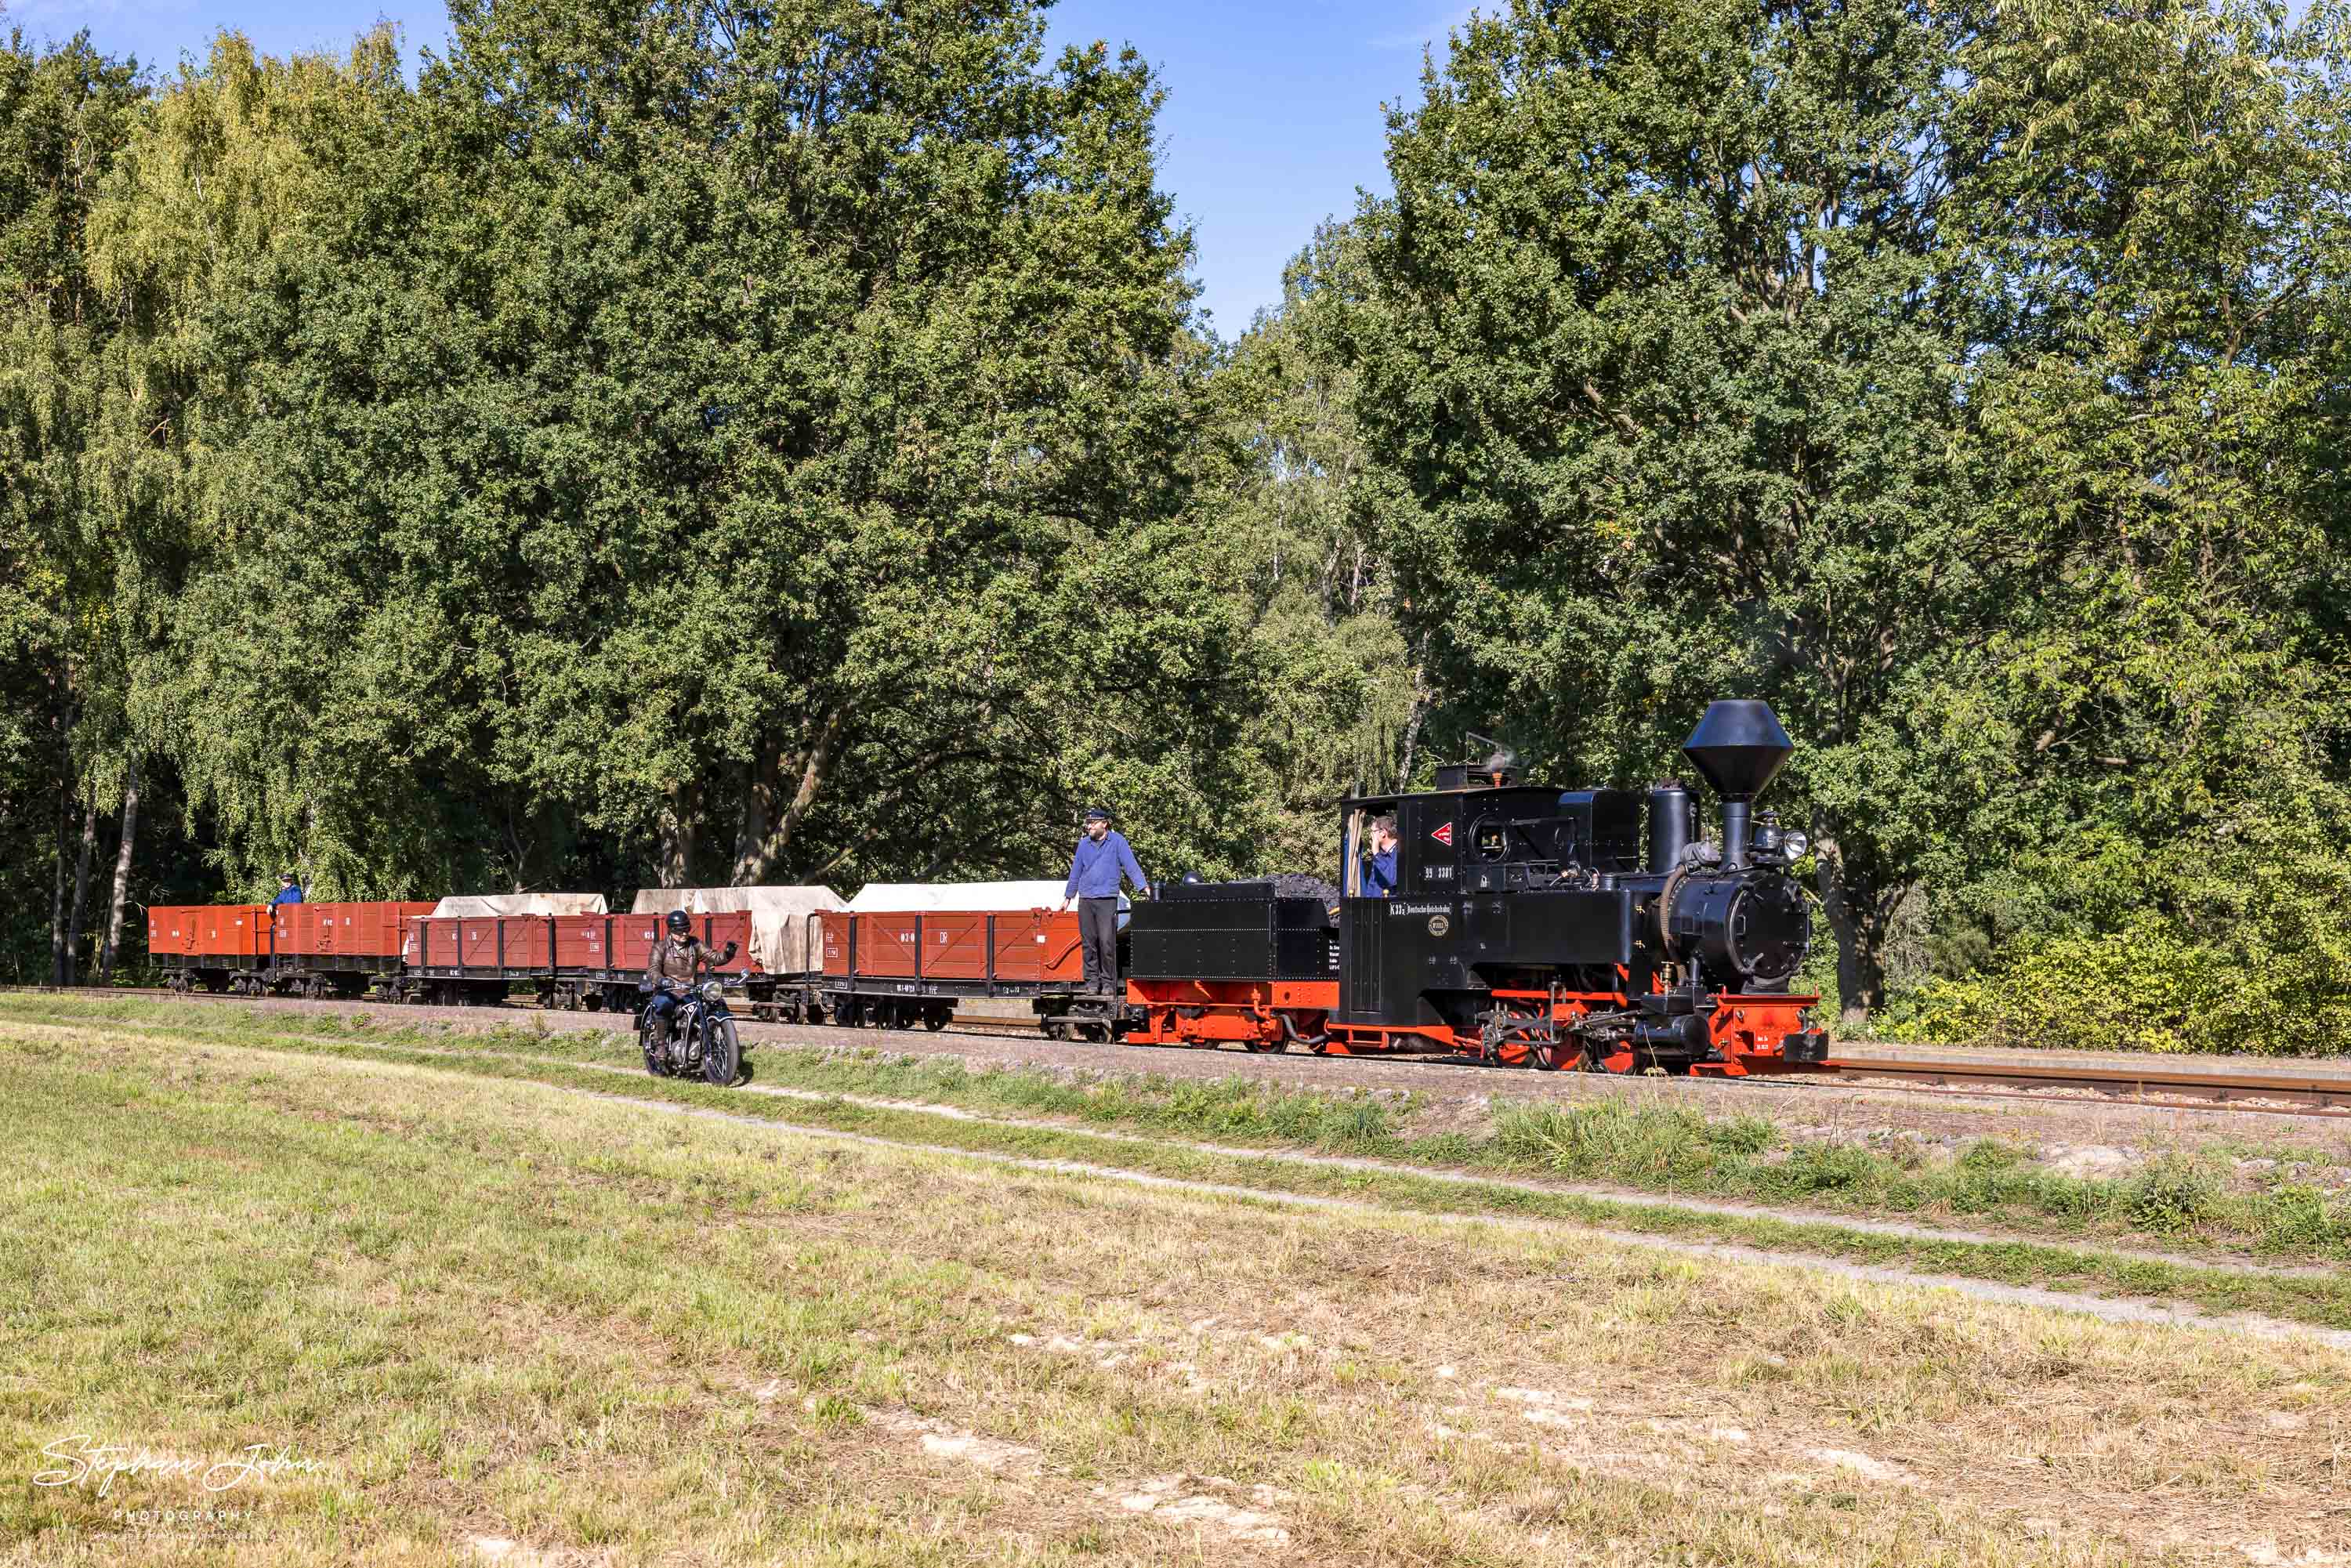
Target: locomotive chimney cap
column 1738, row 746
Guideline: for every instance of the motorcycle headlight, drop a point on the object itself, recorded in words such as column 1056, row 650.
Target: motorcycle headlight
column 710, row 990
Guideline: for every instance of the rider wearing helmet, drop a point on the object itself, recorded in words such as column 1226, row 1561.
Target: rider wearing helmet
column 676, row 960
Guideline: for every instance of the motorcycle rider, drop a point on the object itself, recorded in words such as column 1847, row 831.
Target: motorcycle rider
column 670, row 970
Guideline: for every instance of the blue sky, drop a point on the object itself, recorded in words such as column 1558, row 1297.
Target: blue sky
column 1272, row 120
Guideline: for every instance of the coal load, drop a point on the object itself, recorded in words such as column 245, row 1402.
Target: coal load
column 1298, row 885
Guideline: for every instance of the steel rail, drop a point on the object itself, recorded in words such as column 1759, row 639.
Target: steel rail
column 2298, row 1093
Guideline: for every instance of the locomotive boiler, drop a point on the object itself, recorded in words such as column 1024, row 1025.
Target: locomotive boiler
column 1529, row 926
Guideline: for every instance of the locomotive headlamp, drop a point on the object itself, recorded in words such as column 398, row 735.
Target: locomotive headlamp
column 1794, row 845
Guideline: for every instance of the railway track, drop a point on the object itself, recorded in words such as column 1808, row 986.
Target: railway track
column 2261, row 1092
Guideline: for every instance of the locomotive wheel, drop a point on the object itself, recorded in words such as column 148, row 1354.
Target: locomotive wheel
column 1543, row 1056
column 721, row 1055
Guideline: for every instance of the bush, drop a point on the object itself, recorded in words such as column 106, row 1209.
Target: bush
column 2148, row 986
column 2170, row 1194
column 2301, row 1218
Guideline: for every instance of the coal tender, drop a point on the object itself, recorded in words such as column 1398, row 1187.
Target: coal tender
column 1602, row 929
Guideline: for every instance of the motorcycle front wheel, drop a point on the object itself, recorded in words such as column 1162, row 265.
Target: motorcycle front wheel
column 721, row 1057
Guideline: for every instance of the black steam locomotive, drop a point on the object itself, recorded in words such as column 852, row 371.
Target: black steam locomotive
column 1526, row 926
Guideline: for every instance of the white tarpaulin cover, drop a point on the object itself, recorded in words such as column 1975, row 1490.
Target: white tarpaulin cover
column 890, row 897
column 779, row 916
column 474, row 907
column 964, row 897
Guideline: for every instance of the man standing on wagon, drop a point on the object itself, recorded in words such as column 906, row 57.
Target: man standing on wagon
column 1104, row 857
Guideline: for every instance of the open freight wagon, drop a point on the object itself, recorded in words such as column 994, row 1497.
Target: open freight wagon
column 592, row 962
column 902, row 956
column 289, row 949
column 211, row 947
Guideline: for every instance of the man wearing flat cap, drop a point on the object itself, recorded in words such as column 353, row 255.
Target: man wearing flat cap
column 290, row 890
column 1104, row 857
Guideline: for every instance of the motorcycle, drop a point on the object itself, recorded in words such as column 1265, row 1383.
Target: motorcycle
column 700, row 1039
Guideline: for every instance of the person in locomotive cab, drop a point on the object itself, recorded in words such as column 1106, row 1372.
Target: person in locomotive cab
column 1104, row 857
column 289, row 890
column 1380, row 865
column 677, row 959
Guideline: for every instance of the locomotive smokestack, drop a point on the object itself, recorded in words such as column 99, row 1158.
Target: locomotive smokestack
column 1737, row 746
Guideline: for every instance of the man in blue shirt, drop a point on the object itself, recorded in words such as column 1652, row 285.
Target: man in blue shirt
column 1103, row 858
column 289, row 890
column 1379, row 866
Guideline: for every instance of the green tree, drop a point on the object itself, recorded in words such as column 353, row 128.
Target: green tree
column 1660, row 371
column 1278, row 453
column 694, row 444
column 64, row 113
column 2167, row 209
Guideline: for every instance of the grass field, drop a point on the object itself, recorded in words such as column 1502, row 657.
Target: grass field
column 1206, row 1130
column 482, row 1317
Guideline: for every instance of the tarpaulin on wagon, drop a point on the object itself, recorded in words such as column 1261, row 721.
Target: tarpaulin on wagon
column 476, row 906
column 889, row 897
column 964, row 897
column 779, row 916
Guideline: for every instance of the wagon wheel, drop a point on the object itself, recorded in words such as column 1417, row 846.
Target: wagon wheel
column 935, row 1020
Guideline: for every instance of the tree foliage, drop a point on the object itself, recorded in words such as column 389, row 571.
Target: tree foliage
column 1958, row 379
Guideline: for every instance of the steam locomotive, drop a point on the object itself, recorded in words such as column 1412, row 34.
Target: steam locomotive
column 1526, row 926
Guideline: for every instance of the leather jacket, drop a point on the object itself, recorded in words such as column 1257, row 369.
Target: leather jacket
column 678, row 958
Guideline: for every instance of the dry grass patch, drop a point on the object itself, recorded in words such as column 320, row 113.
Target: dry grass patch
column 496, row 1311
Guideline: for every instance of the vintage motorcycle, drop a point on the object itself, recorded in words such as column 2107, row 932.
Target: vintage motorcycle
column 701, row 1036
